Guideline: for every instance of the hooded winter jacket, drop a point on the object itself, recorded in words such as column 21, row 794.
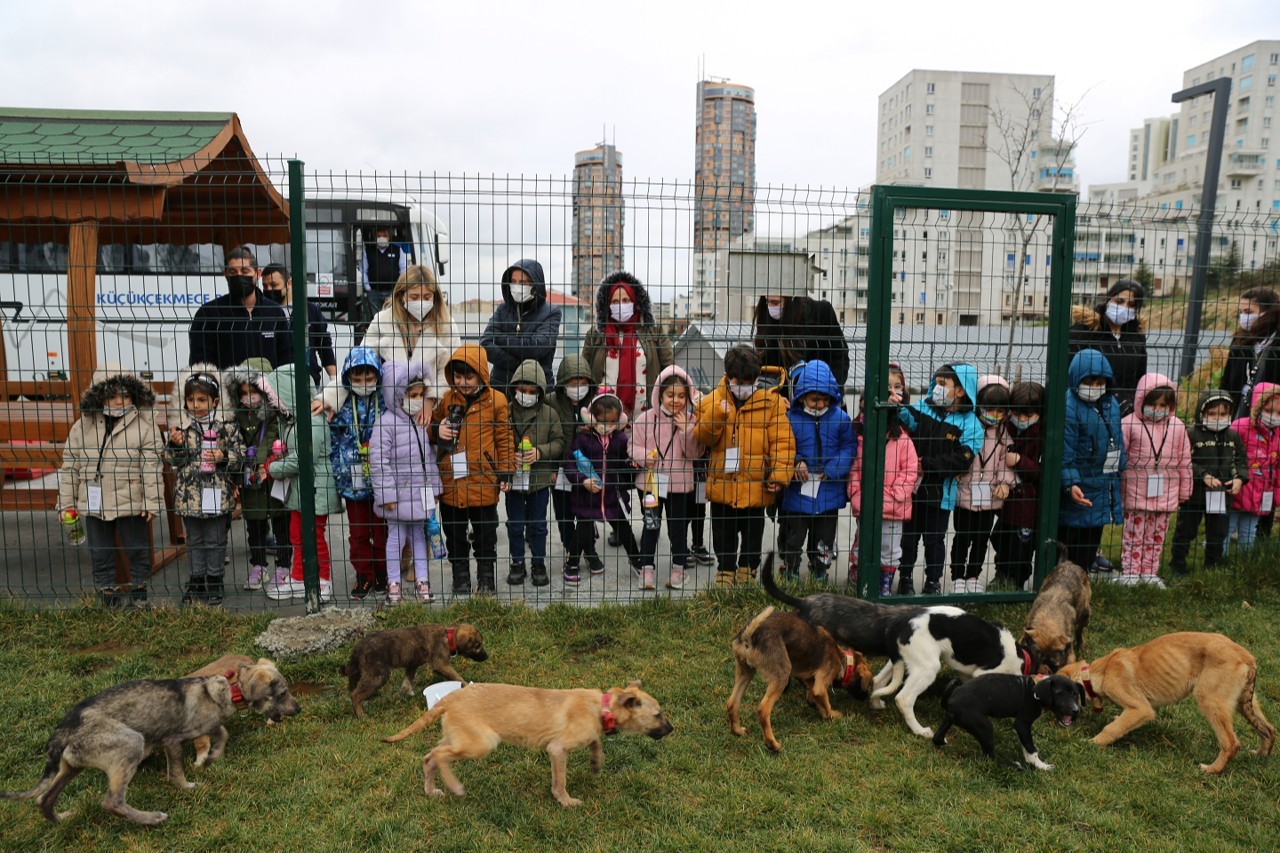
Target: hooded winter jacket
column 189, row 481
column 123, row 458
column 1126, row 353
column 989, row 465
column 351, row 429
column 759, row 431
column 1155, row 448
column 1262, row 449
column 570, row 411
column 612, row 464
column 1216, row 453
column 385, row 337
column 540, row 423
column 400, row 452
column 677, row 448
column 259, row 429
column 1020, row 509
column 485, row 435
column 901, row 472
column 1090, row 432
column 518, row 331
column 288, row 466
column 826, row 444
column 946, row 442
column 652, row 341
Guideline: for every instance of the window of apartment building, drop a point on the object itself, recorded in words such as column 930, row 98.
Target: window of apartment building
column 928, row 172
column 1035, row 93
column 1191, row 140
column 928, row 109
column 902, row 318
column 929, row 90
column 1266, row 121
column 939, row 319
column 1271, row 80
column 919, row 318
column 1266, row 142
column 1275, row 58
column 928, row 130
column 1246, row 64
column 928, row 151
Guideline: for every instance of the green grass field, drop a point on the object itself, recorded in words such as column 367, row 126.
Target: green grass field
column 323, row 780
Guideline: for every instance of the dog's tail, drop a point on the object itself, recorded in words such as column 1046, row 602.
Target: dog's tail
column 419, row 724
column 1252, row 711
column 52, row 764
column 748, row 632
column 771, row 586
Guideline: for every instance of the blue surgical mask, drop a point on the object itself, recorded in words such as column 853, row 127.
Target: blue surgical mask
column 1021, row 425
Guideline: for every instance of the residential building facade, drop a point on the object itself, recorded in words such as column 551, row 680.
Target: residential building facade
column 599, row 218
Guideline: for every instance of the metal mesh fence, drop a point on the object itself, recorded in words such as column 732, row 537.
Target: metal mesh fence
column 105, row 273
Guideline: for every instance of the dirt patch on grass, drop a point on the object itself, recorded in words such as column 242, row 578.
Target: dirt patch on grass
column 307, row 688
column 114, row 648
column 296, row 636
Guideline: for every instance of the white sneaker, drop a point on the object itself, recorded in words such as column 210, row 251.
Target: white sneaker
column 647, row 577
column 326, row 590
column 257, row 577
column 393, row 593
column 424, row 590
column 1153, row 580
column 676, row 581
column 976, row 585
column 960, row 586
column 286, row 591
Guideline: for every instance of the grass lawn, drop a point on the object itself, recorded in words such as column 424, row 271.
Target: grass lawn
column 323, row 780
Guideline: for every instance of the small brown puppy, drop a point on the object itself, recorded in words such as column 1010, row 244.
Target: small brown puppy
column 480, row 716
column 782, row 645
column 1058, row 617
column 253, row 679
column 376, row 655
column 1222, row 675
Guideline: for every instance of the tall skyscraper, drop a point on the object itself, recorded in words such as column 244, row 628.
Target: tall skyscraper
column 598, row 218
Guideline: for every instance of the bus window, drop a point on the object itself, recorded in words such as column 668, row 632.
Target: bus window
column 160, row 258
column 34, row 257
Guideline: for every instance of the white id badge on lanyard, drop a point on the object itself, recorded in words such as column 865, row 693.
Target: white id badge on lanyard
column 1155, row 485
column 428, row 499
column 1268, row 501
column 980, row 495
column 211, row 500
column 810, row 487
column 1112, row 465
column 95, row 497
column 700, row 492
column 664, row 485
column 358, row 483
column 280, row 489
column 562, row 482
column 1215, row 503
column 731, row 460
column 459, row 463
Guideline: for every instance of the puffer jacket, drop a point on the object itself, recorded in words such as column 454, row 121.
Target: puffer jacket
column 1126, row 354
column 827, row 444
column 189, row 481
column 400, row 451
column 351, row 429
column 989, row 465
column 758, row 428
column 656, row 430
column 540, row 423
column 485, row 436
column 518, row 331
column 126, row 460
column 259, row 430
column 901, row 471
column 1023, row 504
column 384, row 336
column 1262, row 449
column 653, row 342
column 612, row 464
column 287, row 467
column 945, row 441
column 1090, row 431
column 1216, row 453
column 1145, row 439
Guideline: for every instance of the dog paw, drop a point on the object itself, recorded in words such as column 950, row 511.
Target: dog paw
column 569, row 802
column 189, row 786
column 434, row 792
column 1210, row 769
column 773, row 745
column 152, row 818
column 876, row 704
column 835, row 715
column 924, row 731
column 739, row 731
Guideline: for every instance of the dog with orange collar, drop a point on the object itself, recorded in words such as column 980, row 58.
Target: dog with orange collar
column 780, row 645
column 972, row 704
column 375, row 656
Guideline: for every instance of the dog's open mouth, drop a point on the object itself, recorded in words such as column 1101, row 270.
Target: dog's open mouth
column 1066, row 720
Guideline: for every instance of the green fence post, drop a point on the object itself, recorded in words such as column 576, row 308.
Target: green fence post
column 877, row 411
column 302, row 386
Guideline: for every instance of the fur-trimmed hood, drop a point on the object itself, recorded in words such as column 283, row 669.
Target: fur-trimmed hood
column 253, row 372
column 209, row 371
column 640, row 297
column 111, row 380
column 1091, row 318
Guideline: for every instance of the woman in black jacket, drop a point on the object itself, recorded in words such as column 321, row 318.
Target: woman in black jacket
column 794, row 329
column 1114, row 329
column 1254, row 355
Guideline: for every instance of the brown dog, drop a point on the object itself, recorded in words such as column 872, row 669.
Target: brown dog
column 480, row 716
column 376, row 655
column 1222, row 674
column 782, row 645
column 1058, row 617
column 253, row 679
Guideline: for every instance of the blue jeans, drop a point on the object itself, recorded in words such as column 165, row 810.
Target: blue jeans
column 1245, row 525
column 377, row 298
column 527, row 514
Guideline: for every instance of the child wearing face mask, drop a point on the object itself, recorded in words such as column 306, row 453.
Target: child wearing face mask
column 405, row 477
column 206, row 453
column 983, row 488
column 574, row 389
column 753, row 454
column 260, row 419
column 1219, row 470
column 597, row 493
column 1157, row 478
column 351, row 436
column 1014, row 536
column 1260, row 432
column 110, row 477
column 540, row 444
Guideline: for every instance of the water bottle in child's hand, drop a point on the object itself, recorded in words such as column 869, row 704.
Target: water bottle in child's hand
column 208, row 446
column 436, row 537
column 585, row 468
column 75, row 528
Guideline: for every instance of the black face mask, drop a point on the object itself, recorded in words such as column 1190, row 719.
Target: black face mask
column 241, row 285
column 275, row 295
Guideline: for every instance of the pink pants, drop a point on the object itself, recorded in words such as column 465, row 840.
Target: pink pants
column 1143, row 541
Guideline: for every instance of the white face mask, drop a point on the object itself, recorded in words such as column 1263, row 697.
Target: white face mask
column 1247, row 321
column 606, row 429
column 622, row 311
column 411, row 405
column 1091, row 393
column 775, row 311
column 1217, row 425
column 817, row 413
column 364, row 390
column 1120, row 314
column 251, row 401
column 742, row 392
column 419, row 308
column 526, row 400
column 384, row 242
column 1153, row 414
column 576, row 393
column 1269, row 420
column 521, row 292
column 942, row 396
column 117, row 411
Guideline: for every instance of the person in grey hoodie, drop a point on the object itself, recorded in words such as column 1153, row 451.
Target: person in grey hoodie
column 526, row 325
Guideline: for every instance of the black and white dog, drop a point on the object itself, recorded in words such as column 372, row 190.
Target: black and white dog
column 968, row 644
column 971, row 706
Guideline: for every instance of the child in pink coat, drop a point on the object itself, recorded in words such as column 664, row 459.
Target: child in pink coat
column 982, row 490
column 1261, row 437
column 901, row 470
column 1158, row 478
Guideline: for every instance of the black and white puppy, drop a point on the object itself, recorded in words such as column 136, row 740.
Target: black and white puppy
column 968, row 644
column 971, row 706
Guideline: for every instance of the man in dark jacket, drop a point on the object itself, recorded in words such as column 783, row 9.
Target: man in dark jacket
column 278, row 286
column 524, row 326
column 1113, row 329
column 243, row 324
column 384, row 262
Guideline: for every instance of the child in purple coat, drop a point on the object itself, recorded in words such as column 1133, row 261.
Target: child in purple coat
column 406, row 481
column 597, row 498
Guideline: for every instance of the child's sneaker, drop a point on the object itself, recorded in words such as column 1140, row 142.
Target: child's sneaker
column 571, row 575
column 976, row 585
column 214, row 594
column 703, row 556
column 326, row 590
column 515, row 577
column 677, row 579
column 257, row 578
column 363, row 587
column 959, row 586
column 648, row 577
column 596, row 565
column 424, row 590
column 538, row 575
column 286, row 591
column 393, row 593
column 283, row 575
column 886, row 582
column 1153, row 580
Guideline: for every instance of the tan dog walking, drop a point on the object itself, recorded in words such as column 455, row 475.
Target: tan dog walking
column 1219, row 672
column 255, row 680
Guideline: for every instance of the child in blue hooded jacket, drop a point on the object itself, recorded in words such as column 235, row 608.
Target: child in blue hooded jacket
column 350, row 432
column 948, row 435
column 826, row 445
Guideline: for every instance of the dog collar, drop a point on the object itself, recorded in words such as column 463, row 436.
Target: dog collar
column 1027, row 665
column 237, row 695
column 608, row 720
column 1088, row 688
column 850, row 668
column 451, row 633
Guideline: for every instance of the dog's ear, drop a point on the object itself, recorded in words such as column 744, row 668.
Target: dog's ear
column 1080, row 694
column 631, row 701
column 635, row 684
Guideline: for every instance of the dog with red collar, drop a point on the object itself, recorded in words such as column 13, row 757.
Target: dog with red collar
column 250, row 680
column 972, row 704
column 410, row 649
column 781, row 645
